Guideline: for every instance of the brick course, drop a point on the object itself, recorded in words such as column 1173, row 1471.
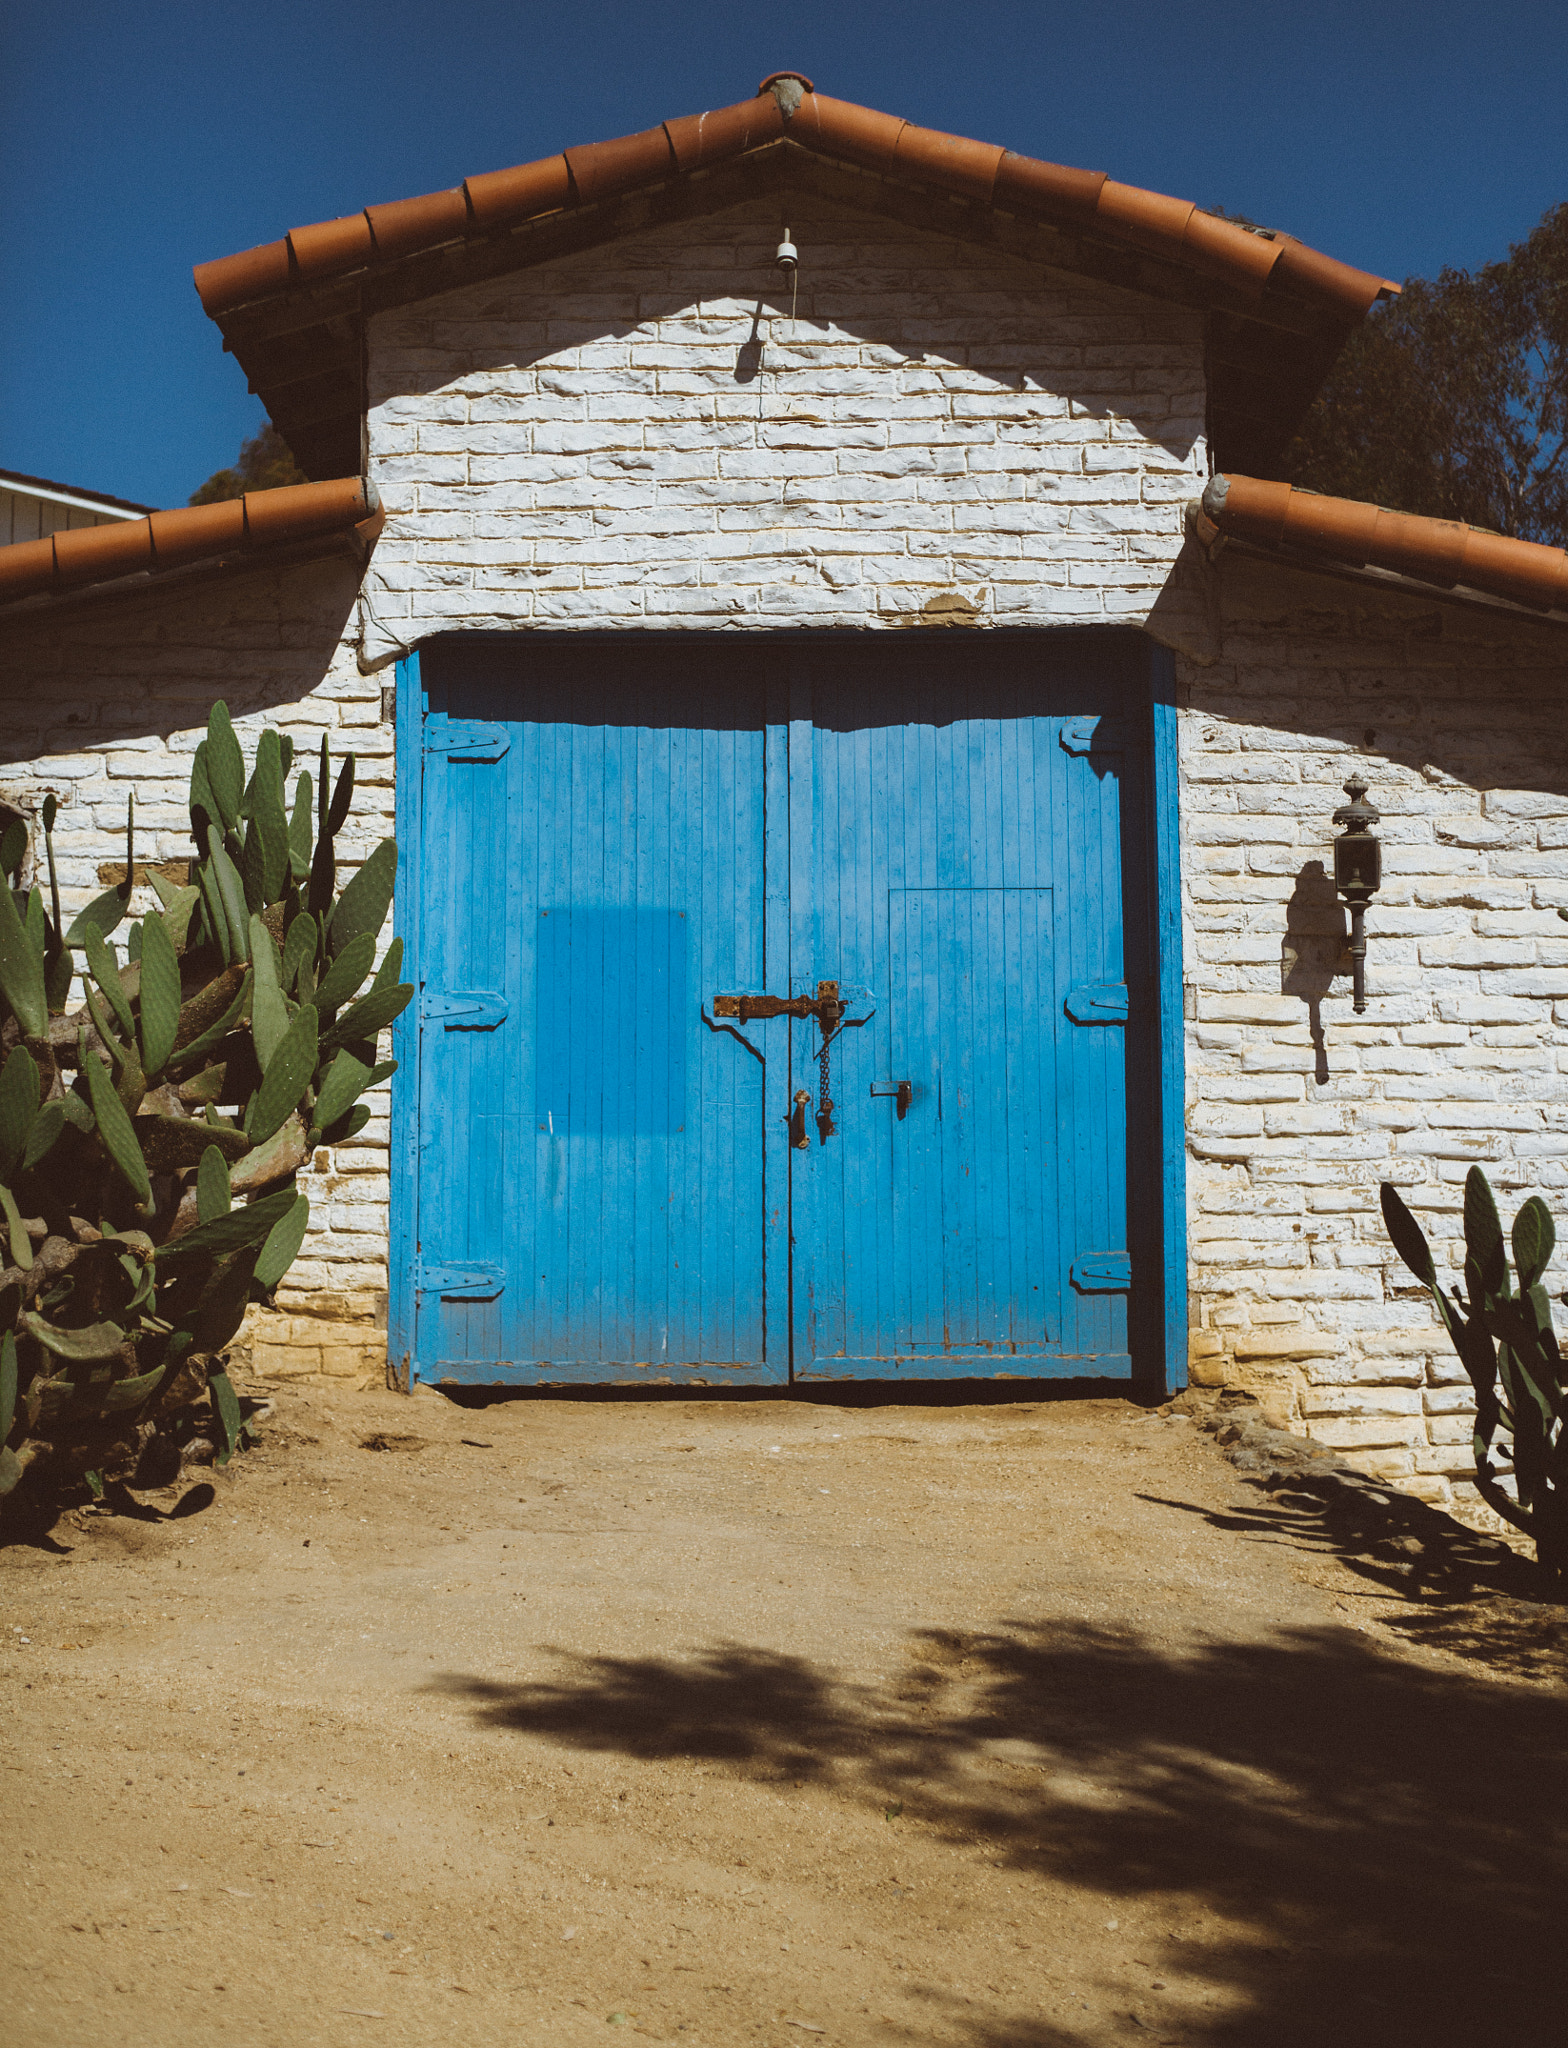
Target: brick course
column 112, row 698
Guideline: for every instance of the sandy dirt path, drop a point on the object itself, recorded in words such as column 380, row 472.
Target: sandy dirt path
column 1000, row 1727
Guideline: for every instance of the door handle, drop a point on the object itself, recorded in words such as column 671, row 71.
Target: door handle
column 903, row 1094
column 797, row 1123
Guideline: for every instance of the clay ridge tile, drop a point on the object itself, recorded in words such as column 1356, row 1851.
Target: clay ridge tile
column 189, row 533
column 1315, row 276
column 700, row 139
column 409, row 225
column 1055, row 192
column 1440, row 551
column 331, row 246
column 501, row 199
column 787, row 106
column 603, row 170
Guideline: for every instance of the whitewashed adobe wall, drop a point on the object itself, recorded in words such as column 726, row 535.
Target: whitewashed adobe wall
column 106, row 700
column 1456, row 717
column 616, row 439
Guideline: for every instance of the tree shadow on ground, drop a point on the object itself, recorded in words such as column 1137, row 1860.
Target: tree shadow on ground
column 1383, row 1840
column 1461, row 1591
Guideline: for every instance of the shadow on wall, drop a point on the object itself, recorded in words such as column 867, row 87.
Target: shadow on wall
column 843, row 293
column 1452, row 712
column 1381, row 1837
column 1468, row 699
column 1312, row 951
column 151, row 665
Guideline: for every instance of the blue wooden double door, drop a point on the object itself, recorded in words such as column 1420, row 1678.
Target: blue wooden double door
column 784, row 1008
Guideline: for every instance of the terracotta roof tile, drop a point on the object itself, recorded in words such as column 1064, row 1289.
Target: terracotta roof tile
column 585, row 175
column 1024, row 184
column 1281, row 311
column 189, row 533
column 405, row 225
column 1440, row 551
column 498, row 199
column 603, row 170
column 701, row 140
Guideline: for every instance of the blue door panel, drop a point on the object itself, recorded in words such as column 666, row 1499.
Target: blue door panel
column 614, row 832
column 966, row 1156
column 600, row 1146
column 974, row 813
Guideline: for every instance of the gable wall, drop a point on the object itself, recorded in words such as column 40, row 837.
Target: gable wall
column 625, row 438
column 574, row 447
column 1455, row 717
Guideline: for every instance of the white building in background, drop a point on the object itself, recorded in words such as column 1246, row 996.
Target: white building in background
column 32, row 507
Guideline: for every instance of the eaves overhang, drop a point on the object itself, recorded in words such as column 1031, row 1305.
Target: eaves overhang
column 293, row 312
column 1402, row 551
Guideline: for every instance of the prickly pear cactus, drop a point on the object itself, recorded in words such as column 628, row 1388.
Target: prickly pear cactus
column 149, row 1142
column 1505, row 1341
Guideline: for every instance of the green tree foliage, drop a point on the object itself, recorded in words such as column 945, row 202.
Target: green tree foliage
column 266, row 461
column 1452, row 400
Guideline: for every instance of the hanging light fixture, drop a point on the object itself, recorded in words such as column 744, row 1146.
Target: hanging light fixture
column 786, row 261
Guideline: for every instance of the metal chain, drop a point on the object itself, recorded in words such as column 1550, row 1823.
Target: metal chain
column 824, row 1078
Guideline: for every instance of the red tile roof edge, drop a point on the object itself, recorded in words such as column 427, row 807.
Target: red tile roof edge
column 1440, row 551
column 786, row 104
column 189, row 533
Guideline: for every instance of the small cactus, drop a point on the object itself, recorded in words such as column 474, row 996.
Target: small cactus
column 149, row 1144
column 1506, row 1343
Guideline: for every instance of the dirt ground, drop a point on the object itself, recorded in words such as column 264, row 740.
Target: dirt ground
column 1007, row 1726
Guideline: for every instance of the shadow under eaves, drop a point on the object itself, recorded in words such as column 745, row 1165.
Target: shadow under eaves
column 1387, row 1837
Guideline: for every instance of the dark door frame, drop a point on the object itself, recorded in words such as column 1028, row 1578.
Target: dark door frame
column 1159, row 1309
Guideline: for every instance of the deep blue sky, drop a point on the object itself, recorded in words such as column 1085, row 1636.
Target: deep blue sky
column 137, row 140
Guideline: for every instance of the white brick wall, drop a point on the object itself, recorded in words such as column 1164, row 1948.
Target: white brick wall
column 624, row 438
column 109, row 699
column 1455, row 716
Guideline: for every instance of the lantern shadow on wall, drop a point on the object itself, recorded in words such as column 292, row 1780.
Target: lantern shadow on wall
column 1314, row 950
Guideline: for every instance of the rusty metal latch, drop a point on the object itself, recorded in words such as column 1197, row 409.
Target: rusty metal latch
column 903, row 1093
column 825, row 1006
column 828, row 1007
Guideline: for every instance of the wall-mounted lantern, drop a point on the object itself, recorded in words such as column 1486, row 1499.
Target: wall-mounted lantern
column 1358, row 874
